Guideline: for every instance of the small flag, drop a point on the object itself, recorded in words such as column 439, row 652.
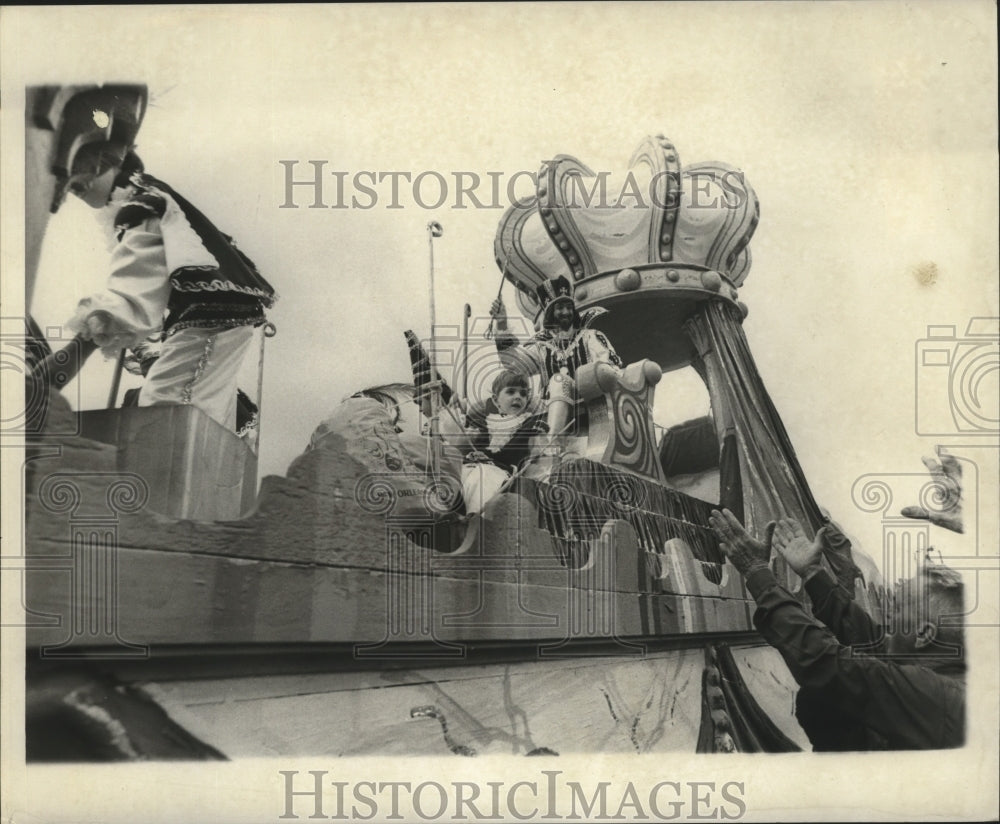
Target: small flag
column 421, row 365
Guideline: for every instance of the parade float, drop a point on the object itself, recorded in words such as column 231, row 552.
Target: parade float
column 352, row 608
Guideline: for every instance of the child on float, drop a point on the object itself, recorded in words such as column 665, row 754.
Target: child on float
column 502, row 441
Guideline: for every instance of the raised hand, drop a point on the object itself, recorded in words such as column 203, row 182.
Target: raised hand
column 948, row 476
column 743, row 550
column 792, row 544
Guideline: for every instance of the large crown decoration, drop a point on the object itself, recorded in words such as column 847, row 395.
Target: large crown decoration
column 668, row 235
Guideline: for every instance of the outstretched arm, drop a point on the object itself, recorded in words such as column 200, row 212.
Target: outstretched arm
column 502, row 336
column 910, row 705
column 837, row 552
column 132, row 307
column 831, row 603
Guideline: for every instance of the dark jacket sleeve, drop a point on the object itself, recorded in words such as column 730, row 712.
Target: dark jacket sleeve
column 912, row 706
column 834, row 607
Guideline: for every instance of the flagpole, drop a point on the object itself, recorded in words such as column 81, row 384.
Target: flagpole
column 116, row 380
column 434, row 229
column 466, row 314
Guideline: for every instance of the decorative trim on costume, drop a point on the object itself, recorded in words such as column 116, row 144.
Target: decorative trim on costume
column 613, row 357
column 217, row 285
column 195, row 244
column 212, row 323
column 199, row 370
column 249, row 426
column 589, row 315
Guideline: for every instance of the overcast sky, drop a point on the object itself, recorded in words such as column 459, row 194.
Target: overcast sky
column 873, row 157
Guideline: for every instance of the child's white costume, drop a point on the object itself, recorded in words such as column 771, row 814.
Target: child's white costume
column 502, row 443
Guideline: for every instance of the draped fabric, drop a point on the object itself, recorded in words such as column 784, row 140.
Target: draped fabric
column 730, row 480
column 773, row 484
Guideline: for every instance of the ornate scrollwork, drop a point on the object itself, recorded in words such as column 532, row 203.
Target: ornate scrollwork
column 633, row 448
column 442, row 496
column 938, row 497
column 375, row 494
column 60, row 493
column 621, row 426
column 871, row 494
column 128, row 494
column 557, row 498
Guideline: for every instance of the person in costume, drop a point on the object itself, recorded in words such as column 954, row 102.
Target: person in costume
column 565, row 343
column 492, row 440
column 501, row 441
column 175, row 275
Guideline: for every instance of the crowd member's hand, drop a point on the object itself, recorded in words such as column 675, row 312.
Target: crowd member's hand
column 792, row 544
column 948, row 476
column 499, row 313
column 744, row 551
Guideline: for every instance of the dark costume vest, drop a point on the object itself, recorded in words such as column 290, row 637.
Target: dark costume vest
column 228, row 295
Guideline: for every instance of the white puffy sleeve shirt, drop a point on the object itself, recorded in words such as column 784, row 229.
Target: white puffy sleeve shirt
column 133, row 305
